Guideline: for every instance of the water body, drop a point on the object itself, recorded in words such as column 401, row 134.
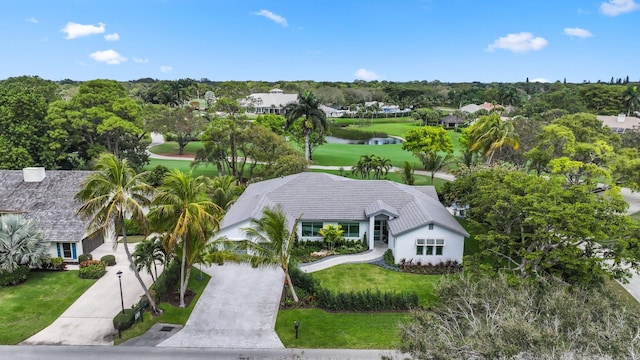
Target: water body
column 372, row 141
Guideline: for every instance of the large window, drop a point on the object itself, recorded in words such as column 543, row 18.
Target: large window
column 311, row 228
column 429, row 246
column 351, row 229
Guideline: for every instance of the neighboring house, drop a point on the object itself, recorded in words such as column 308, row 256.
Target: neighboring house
column 269, row 103
column 47, row 197
column 472, row 108
column 452, row 121
column 621, row 123
column 331, row 112
column 409, row 220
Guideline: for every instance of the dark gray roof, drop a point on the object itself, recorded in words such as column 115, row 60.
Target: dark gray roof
column 49, row 202
column 321, row 196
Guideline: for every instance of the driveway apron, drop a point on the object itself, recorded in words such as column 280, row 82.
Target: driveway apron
column 237, row 309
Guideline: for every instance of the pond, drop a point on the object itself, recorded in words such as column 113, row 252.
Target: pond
column 372, row 141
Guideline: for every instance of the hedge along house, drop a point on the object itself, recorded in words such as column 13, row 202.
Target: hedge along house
column 409, row 220
column 47, row 197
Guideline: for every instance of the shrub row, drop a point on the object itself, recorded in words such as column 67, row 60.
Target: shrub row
column 447, row 267
column 303, row 280
column 15, row 277
column 124, row 320
column 54, row 264
column 365, row 300
column 167, row 281
column 92, row 269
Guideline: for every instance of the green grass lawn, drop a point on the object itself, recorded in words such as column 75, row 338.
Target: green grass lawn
column 349, row 154
column 321, row 329
column 170, row 148
column 360, row 277
column 171, row 314
column 395, row 129
column 184, row 166
column 30, row 307
column 420, row 179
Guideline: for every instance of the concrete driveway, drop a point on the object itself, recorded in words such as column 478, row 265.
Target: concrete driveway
column 237, row 309
column 89, row 320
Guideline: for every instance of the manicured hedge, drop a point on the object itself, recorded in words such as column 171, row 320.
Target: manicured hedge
column 15, row 277
column 84, row 257
column 124, row 320
column 92, row 269
column 109, row 260
column 365, row 300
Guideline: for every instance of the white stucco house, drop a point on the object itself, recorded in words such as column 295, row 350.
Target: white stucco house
column 409, row 220
column 269, row 103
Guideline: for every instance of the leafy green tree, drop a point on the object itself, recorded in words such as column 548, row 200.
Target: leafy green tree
column 631, row 99
column 111, row 194
column 181, row 208
column 428, row 143
column 297, row 133
column 270, row 242
column 555, row 141
column 491, row 133
column 331, row 234
column 273, row 122
column 21, row 244
column 182, row 125
column 315, row 120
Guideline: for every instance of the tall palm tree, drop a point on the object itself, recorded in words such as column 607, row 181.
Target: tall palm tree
column 491, row 134
column 21, row 244
column 270, row 242
column 407, row 173
column 436, row 162
column 113, row 193
column 314, row 118
column 225, row 191
column 147, row 255
column 632, row 99
column 183, row 210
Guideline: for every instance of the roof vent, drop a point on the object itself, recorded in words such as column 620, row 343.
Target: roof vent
column 621, row 118
column 33, row 174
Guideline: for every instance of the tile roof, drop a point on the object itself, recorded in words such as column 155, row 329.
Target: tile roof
column 321, row 196
column 49, row 202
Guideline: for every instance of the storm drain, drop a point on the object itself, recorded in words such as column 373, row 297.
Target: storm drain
column 167, row 328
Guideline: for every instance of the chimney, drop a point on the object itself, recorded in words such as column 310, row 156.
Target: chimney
column 33, row 174
column 621, row 118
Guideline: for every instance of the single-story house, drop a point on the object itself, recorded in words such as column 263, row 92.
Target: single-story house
column 47, row 197
column 269, row 103
column 621, row 123
column 409, row 220
column 453, row 121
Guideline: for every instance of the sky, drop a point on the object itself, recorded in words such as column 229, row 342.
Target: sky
column 322, row 40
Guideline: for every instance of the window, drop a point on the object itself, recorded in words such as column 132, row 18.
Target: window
column 430, row 226
column 429, row 246
column 311, row 228
column 66, row 251
column 351, row 230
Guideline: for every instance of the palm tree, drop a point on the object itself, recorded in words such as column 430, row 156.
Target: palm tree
column 632, row 99
column 436, row 162
column 147, row 254
column 381, row 167
column 21, row 244
column 491, row 134
column 111, row 194
column 314, row 118
column 182, row 209
column 225, row 191
column 407, row 173
column 270, row 242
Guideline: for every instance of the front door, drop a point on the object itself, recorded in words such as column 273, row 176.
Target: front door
column 380, row 231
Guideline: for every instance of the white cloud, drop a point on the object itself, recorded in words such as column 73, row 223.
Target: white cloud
column 112, row 37
column 364, row 74
column 74, row 30
column 271, row 16
column 578, row 32
column 539, row 80
column 165, row 68
column 110, row 57
column 32, row 20
column 140, row 61
column 519, row 43
column 617, row 7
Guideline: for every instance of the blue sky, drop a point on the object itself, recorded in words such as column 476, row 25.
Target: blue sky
column 321, row 40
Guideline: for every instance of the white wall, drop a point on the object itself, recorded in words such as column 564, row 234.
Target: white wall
column 405, row 245
column 234, row 232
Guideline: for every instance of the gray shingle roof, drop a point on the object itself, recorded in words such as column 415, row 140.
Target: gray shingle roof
column 49, row 202
column 321, row 196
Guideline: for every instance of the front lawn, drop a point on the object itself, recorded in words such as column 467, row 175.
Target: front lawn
column 184, row 166
column 349, row 154
column 170, row 148
column 420, row 180
column 360, row 277
column 321, row 329
column 171, row 314
column 32, row 306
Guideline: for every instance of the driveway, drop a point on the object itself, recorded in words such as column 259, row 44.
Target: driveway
column 89, row 320
column 237, row 309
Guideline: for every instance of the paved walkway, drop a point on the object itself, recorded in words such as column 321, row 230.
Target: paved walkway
column 328, row 262
column 237, row 309
column 89, row 320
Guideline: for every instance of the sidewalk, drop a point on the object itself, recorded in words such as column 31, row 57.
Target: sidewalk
column 328, row 262
column 89, row 320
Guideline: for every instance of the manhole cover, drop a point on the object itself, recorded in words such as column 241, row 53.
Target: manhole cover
column 167, row 328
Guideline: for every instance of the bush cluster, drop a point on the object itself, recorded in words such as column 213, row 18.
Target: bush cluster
column 84, row 257
column 441, row 268
column 167, row 281
column 109, row 260
column 15, row 277
column 388, row 258
column 92, row 269
column 124, row 320
column 303, row 280
column 366, row 300
column 54, row 264
column 303, row 249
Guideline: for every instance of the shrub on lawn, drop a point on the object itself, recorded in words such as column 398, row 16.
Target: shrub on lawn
column 441, row 268
column 85, row 257
column 92, row 269
column 124, row 320
column 109, row 260
column 54, row 264
column 167, row 281
column 388, row 258
column 303, row 280
column 365, row 300
column 18, row 276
